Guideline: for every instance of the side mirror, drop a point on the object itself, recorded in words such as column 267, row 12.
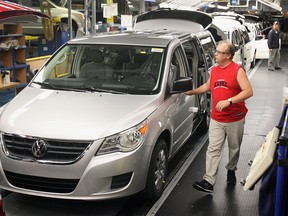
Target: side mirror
column 34, row 71
column 181, row 85
column 31, row 74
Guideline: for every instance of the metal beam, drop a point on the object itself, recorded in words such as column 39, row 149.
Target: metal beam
column 70, row 20
column 272, row 5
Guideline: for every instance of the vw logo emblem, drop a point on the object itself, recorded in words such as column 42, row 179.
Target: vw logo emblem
column 39, row 148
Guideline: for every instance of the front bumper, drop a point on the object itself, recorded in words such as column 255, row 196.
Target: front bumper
column 91, row 178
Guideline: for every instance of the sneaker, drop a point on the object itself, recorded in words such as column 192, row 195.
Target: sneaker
column 203, row 186
column 271, row 69
column 231, row 178
column 278, row 68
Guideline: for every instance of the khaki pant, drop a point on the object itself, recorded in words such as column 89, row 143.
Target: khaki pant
column 218, row 132
column 274, row 59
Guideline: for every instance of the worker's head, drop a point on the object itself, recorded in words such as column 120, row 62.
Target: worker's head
column 225, row 51
column 276, row 25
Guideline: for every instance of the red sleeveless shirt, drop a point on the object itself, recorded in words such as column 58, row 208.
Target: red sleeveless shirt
column 224, row 85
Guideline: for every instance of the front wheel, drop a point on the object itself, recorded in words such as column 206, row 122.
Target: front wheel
column 157, row 171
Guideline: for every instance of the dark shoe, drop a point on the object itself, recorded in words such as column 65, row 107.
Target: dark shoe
column 278, row 68
column 271, row 69
column 203, row 186
column 231, row 178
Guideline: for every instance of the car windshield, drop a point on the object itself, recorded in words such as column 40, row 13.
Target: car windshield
column 103, row 68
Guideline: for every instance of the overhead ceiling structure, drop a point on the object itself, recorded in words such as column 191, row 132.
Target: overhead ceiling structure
column 182, row 4
column 272, row 4
column 269, row 5
column 284, row 5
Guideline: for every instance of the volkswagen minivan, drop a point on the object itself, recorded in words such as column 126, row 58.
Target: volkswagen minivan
column 103, row 117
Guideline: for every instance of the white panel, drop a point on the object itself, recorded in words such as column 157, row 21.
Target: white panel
column 263, row 159
column 170, row 24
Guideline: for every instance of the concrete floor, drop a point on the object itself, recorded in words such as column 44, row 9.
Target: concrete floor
column 265, row 109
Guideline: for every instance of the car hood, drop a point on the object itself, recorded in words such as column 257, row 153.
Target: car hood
column 74, row 115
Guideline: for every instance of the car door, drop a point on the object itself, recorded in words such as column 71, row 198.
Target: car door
column 180, row 104
column 237, row 41
column 249, row 49
column 207, row 48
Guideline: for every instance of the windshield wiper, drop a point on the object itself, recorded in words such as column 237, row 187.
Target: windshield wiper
column 45, row 84
column 93, row 89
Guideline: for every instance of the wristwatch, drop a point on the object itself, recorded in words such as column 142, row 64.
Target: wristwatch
column 230, row 101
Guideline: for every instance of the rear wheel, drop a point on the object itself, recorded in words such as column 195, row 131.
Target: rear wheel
column 204, row 125
column 204, row 103
column 253, row 63
column 157, row 171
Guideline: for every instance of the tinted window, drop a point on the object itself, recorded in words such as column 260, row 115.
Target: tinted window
column 209, row 50
column 235, row 40
column 177, row 67
column 188, row 48
column 245, row 36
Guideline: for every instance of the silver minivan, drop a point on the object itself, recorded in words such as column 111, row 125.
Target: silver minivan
column 102, row 118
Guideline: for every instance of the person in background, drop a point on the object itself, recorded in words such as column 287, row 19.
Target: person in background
column 274, row 48
column 230, row 87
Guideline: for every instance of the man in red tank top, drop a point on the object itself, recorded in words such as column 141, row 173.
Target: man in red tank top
column 230, row 87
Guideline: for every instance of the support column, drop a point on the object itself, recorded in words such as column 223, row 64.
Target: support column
column 70, row 20
column 141, row 7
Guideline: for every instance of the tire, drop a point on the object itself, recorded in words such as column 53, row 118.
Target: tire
column 204, row 103
column 157, row 172
column 253, row 63
column 204, row 125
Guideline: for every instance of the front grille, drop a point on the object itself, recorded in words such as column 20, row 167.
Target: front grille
column 58, row 151
column 53, row 185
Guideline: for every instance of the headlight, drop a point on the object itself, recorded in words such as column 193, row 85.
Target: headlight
column 125, row 141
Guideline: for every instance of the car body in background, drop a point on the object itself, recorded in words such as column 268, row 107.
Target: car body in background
column 255, row 20
column 250, row 49
column 261, row 43
column 232, row 34
column 259, row 36
column 251, row 30
column 233, row 26
column 36, row 29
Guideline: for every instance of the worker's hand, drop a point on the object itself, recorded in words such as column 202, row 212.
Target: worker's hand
column 222, row 104
column 187, row 93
